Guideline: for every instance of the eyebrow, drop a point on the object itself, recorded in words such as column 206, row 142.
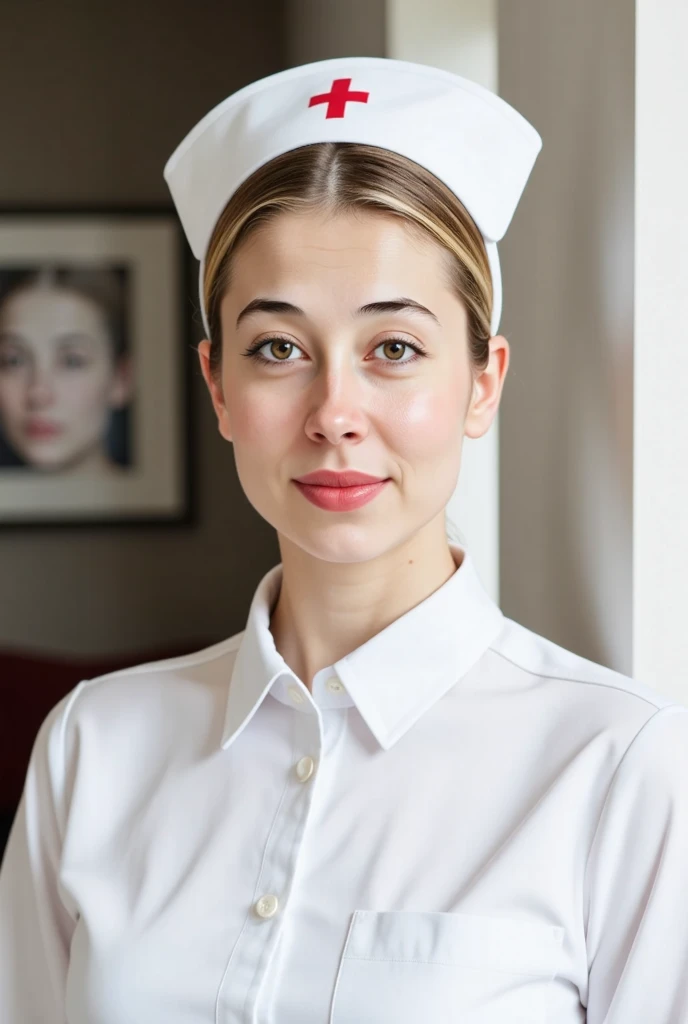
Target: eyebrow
column 262, row 305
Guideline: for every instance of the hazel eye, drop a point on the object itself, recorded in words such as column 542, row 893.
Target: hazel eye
column 394, row 341
column 255, row 351
column 276, row 342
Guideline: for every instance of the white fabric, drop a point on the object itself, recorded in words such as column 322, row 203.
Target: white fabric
column 467, row 136
column 464, row 822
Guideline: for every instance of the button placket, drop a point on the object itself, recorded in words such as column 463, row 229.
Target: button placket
column 279, row 866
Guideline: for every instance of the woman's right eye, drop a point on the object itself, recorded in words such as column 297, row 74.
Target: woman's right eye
column 254, row 351
column 9, row 360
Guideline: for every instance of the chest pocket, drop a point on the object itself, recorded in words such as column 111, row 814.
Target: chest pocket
column 408, row 967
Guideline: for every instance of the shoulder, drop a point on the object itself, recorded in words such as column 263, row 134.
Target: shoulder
column 156, row 688
column 576, row 694
column 529, row 654
column 109, row 733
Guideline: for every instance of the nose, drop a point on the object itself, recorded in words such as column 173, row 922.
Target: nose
column 337, row 411
column 40, row 391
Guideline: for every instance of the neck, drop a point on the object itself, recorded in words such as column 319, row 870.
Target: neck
column 326, row 609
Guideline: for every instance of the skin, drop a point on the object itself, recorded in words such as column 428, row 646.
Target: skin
column 345, row 402
column 56, row 366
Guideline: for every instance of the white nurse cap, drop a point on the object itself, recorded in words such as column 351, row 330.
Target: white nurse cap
column 467, row 136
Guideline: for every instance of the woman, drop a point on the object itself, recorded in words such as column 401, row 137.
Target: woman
column 64, row 368
column 383, row 801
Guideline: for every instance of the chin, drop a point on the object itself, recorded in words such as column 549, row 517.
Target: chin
column 48, row 461
column 344, row 543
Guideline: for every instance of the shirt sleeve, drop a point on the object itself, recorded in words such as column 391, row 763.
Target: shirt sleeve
column 36, row 919
column 636, row 886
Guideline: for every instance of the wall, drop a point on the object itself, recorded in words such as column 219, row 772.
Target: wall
column 93, row 99
column 660, row 434
column 566, row 457
column 320, row 29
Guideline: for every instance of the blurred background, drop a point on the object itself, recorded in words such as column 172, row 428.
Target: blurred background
column 573, row 502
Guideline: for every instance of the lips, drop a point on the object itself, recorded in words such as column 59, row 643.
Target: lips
column 41, row 428
column 329, row 478
column 341, row 499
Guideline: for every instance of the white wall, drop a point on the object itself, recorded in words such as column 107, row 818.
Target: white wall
column 660, row 540
column 458, row 35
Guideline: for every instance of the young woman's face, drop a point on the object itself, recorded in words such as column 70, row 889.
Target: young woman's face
column 57, row 381
column 343, row 387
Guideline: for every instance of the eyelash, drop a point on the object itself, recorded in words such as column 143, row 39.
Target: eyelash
column 254, row 351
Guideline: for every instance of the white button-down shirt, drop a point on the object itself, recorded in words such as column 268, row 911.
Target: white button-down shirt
column 462, row 822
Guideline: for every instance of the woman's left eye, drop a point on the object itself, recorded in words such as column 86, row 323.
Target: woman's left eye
column 74, row 361
column 255, row 353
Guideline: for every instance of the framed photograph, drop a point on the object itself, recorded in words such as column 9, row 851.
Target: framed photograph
column 94, row 367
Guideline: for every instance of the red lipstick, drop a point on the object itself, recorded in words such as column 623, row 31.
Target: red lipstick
column 42, row 429
column 340, row 492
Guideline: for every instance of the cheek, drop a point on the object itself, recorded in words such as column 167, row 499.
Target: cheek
column 12, row 394
column 84, row 392
column 427, row 424
column 258, row 419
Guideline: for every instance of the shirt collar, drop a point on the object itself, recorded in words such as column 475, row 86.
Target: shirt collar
column 393, row 678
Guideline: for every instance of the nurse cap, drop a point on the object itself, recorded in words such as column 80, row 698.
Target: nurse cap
column 467, row 136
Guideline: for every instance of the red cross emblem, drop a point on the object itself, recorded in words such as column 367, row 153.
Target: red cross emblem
column 338, row 98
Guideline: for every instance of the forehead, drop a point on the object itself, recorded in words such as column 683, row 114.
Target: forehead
column 35, row 302
column 50, row 316
column 348, row 246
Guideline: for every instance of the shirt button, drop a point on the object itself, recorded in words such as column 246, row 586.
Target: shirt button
column 296, row 695
column 305, row 768
column 267, row 905
column 334, row 686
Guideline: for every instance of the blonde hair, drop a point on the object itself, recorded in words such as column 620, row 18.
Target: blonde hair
column 339, row 177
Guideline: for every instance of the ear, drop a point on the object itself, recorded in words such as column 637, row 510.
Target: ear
column 487, row 389
column 215, row 389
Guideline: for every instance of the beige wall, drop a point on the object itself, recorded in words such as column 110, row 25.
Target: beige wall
column 93, row 99
column 567, row 411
